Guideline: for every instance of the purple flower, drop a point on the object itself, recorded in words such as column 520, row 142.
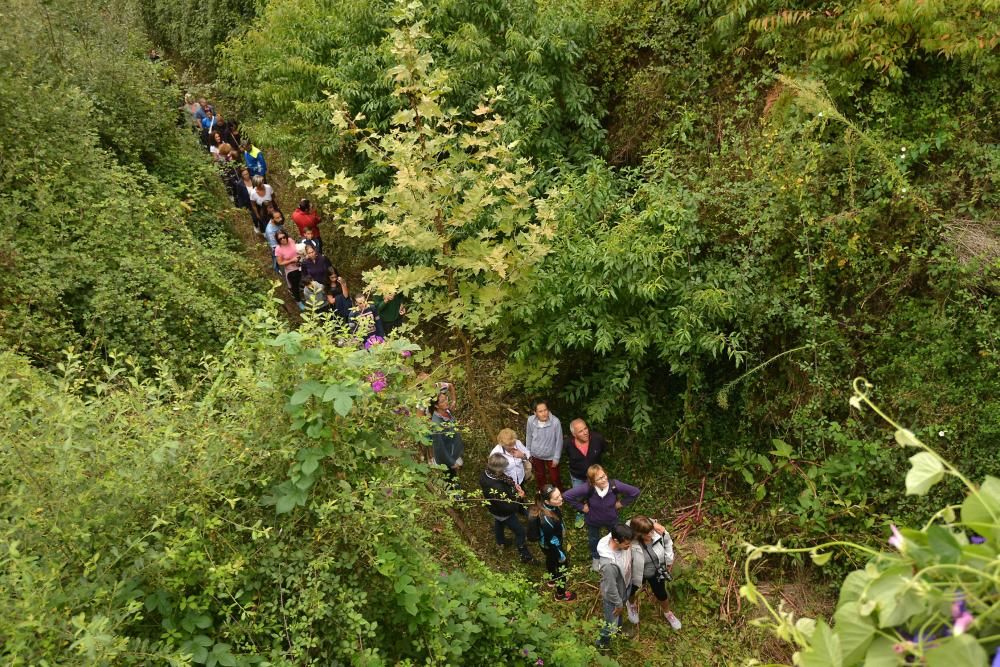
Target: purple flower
column 378, row 381
column 958, row 607
column 407, row 354
column 963, row 622
column 539, row 662
column 373, row 341
column 996, row 658
column 524, row 652
column 896, row 541
column 977, row 539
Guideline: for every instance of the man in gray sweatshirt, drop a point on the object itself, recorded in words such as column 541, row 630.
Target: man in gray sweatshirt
column 544, row 439
column 621, row 566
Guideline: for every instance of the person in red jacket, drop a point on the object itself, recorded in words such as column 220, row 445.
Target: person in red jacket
column 305, row 217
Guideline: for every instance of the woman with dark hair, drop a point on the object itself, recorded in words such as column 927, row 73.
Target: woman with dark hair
column 287, row 256
column 242, row 185
column 551, row 538
column 318, row 267
column 260, row 196
column 503, row 497
column 305, row 217
column 446, row 440
column 658, row 560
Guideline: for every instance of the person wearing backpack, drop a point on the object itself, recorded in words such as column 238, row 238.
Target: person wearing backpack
column 599, row 500
column 658, row 560
column 545, row 525
column 503, row 497
column 621, row 575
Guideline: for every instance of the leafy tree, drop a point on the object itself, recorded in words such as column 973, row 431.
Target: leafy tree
column 456, row 212
column 297, row 51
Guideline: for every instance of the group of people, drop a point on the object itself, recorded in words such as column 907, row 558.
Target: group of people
column 298, row 257
column 628, row 555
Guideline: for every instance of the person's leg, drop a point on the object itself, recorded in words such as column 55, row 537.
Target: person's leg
column 593, row 537
column 516, row 527
column 498, row 532
column 553, row 474
column 295, row 284
column 611, row 624
column 538, row 467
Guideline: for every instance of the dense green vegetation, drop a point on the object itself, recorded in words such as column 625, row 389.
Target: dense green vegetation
column 690, row 222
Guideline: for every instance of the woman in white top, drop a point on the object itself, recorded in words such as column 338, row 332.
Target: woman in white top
column 261, row 194
column 515, row 452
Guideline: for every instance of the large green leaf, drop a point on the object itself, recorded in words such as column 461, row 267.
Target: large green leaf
column 881, row 653
column 981, row 511
column 854, row 584
column 925, row 471
column 961, row 651
column 855, row 632
column 825, row 650
column 943, row 544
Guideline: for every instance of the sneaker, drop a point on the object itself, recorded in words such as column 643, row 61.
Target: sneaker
column 595, row 564
column 568, row 596
column 550, row 584
column 579, row 521
column 674, row 622
column 632, row 608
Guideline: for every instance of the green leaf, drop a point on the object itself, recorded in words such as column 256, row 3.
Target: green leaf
column 854, row 584
column 306, row 391
column 820, row 558
column 925, row 471
column 881, row 654
column 309, row 465
column 203, row 621
column 781, row 448
column 906, row 438
column 825, row 648
column 855, row 631
column 943, row 544
column 343, row 405
column 960, row 651
column 978, row 511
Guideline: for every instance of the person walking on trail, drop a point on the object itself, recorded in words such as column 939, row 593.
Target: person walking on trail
column 287, row 257
column 261, row 195
column 544, row 439
column 305, row 217
column 505, row 498
column 514, row 452
column 446, row 441
column 658, row 561
column 621, row 576
column 599, row 500
column 586, row 448
column 254, row 159
column 548, row 513
column 271, row 232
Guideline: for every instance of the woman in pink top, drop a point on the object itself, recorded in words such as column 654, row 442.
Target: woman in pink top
column 287, row 256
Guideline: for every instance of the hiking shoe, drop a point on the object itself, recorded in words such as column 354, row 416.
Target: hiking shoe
column 579, row 521
column 632, row 609
column 674, row 622
column 595, row 564
column 568, row 596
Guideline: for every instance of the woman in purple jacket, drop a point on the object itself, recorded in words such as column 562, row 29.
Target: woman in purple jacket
column 599, row 500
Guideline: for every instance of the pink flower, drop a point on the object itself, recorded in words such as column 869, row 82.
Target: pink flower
column 539, row 662
column 373, row 341
column 962, row 623
column 896, row 541
column 407, row 354
column 378, row 381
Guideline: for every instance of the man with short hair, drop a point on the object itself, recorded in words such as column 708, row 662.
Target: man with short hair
column 621, row 577
column 586, row 448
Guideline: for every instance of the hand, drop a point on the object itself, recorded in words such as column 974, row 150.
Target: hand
column 659, row 528
column 402, row 311
column 618, row 611
column 586, row 508
column 520, row 491
column 618, row 504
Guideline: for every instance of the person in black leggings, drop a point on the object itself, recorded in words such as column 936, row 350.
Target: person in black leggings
column 553, row 542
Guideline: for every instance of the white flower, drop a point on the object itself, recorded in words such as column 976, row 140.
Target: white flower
column 940, row 434
column 820, row 114
column 903, row 149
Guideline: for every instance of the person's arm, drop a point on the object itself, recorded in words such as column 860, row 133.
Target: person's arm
column 557, row 431
column 575, row 496
column 627, row 493
column 286, row 262
column 263, row 163
column 529, row 434
column 609, row 588
column 343, row 286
